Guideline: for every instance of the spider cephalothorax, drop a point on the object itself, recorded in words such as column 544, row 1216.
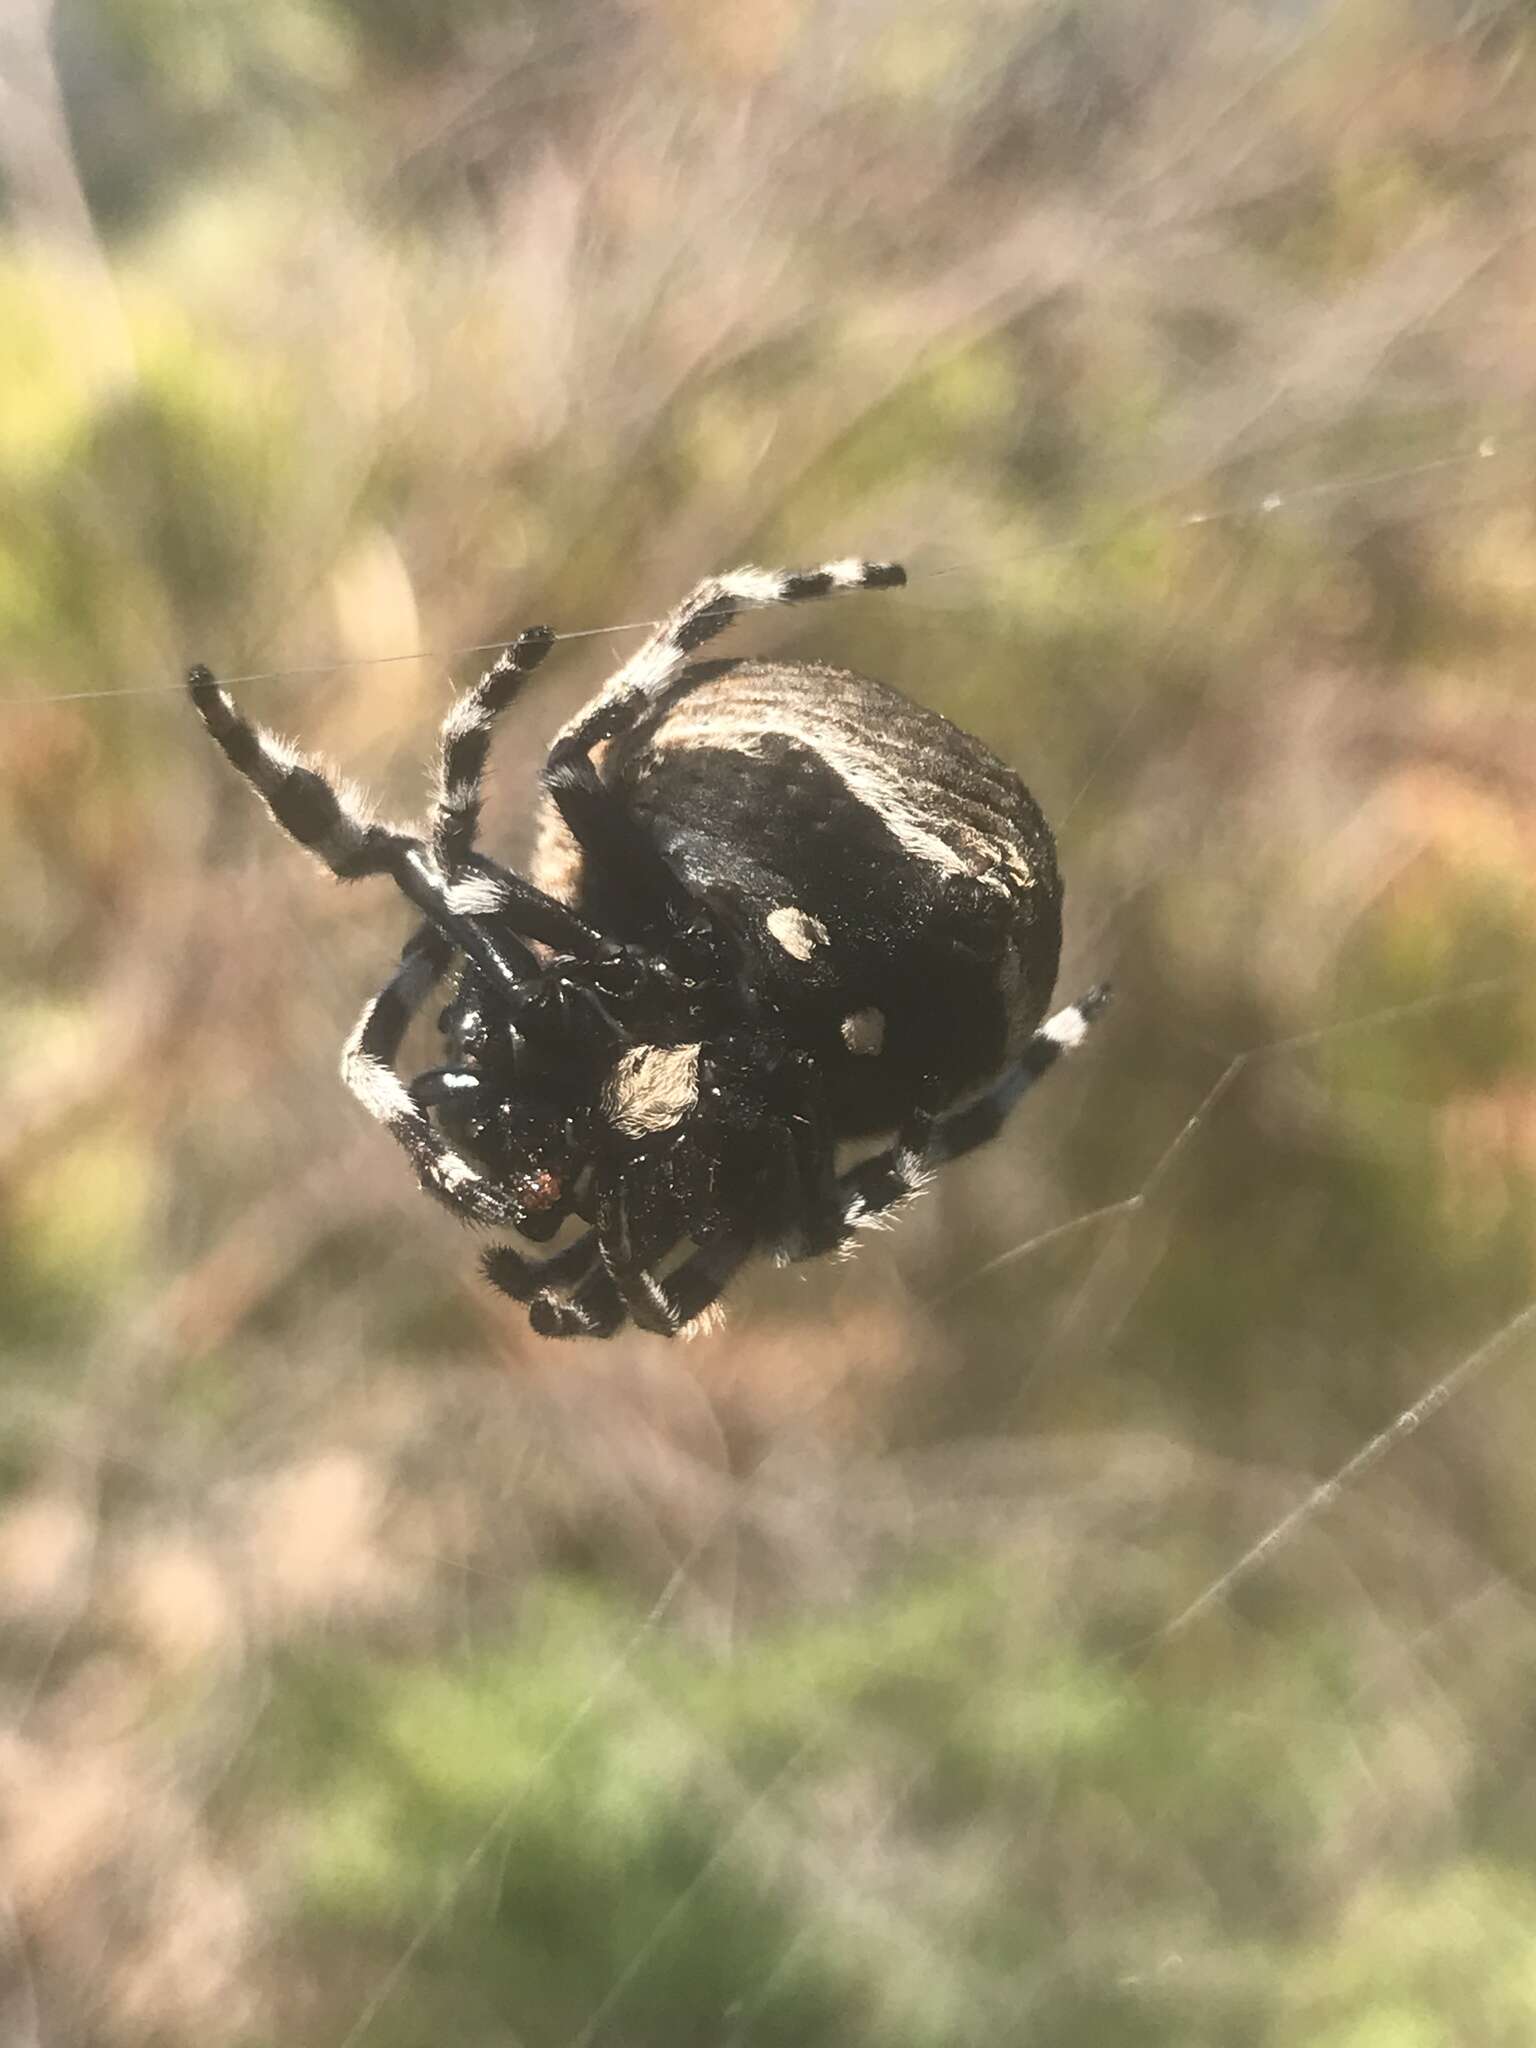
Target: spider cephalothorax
column 775, row 907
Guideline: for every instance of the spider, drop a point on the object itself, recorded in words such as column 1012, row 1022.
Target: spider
column 775, row 907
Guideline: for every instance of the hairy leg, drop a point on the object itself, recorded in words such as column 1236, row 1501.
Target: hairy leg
column 523, row 1278
column 368, row 1069
column 464, row 742
column 927, row 1141
column 693, row 1289
column 331, row 820
column 600, row 823
column 593, row 1308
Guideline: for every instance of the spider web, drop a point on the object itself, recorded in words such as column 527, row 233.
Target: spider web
column 1326, row 1572
column 996, row 1998
column 992, row 1996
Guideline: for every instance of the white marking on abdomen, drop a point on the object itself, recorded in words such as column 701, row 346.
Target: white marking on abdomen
column 861, row 774
column 864, row 1032
column 796, row 932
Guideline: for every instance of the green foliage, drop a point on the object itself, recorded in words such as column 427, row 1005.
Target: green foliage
column 565, row 1846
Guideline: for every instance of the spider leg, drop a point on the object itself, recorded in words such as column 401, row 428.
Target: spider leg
column 464, row 742
column 705, row 612
column 640, row 1295
column 814, row 1188
column 964, row 1129
column 330, row 820
column 876, row 1184
column 592, row 1309
column 368, row 1069
column 926, row 1141
column 600, row 822
column 523, row 1278
column 694, row 1288
column 651, row 1303
column 665, row 1307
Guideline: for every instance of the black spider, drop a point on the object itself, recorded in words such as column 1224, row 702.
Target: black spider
column 775, row 907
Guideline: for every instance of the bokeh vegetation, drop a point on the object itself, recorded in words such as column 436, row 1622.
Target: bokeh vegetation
column 871, row 1673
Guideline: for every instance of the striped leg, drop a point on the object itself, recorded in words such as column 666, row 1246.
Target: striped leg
column 524, row 1279
column 602, row 1301
column 464, row 742
column 878, row 1184
column 604, row 827
column 677, row 1302
column 368, row 1069
column 705, row 612
column 641, row 1296
column 592, row 1309
column 965, row 1129
column 330, row 820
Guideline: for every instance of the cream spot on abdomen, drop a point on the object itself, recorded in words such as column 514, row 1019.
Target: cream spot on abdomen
column 864, row 1032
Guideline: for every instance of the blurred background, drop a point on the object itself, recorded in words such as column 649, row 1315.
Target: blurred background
column 968, row 1645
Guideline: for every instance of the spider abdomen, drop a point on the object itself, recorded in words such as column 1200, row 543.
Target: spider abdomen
column 893, row 885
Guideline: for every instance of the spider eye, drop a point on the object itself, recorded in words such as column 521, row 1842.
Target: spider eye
column 539, row 1190
column 541, row 1201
